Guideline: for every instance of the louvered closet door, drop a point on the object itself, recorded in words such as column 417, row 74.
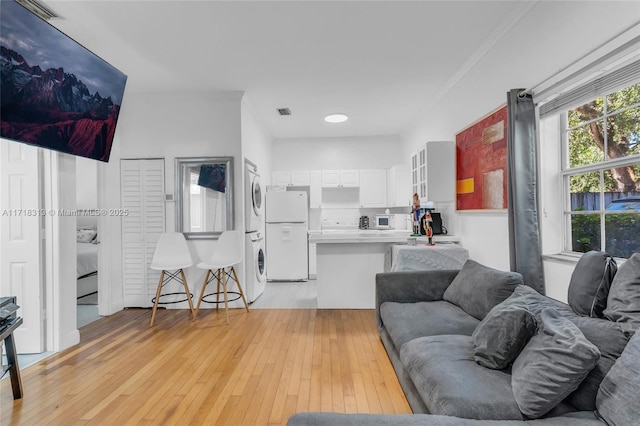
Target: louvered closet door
column 142, row 194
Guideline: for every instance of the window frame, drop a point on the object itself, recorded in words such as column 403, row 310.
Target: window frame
column 566, row 171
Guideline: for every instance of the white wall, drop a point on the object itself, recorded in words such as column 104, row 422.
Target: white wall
column 86, row 183
column 257, row 141
column 515, row 60
column 60, row 287
column 168, row 125
column 373, row 152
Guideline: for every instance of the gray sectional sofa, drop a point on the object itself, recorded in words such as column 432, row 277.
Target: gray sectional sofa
column 477, row 346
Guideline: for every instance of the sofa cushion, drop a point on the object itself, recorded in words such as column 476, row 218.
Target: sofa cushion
column 590, row 283
column 618, row 400
column 502, row 334
column 478, row 288
column 528, row 298
column 623, row 303
column 451, row 383
column 608, row 337
column 610, row 340
column 407, row 321
column 551, row 365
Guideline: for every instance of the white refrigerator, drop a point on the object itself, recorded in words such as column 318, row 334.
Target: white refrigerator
column 286, row 215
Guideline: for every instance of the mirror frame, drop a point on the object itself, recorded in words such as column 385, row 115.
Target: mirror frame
column 180, row 162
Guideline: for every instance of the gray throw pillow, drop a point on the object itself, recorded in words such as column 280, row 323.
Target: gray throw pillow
column 590, row 283
column 551, row 365
column 623, row 303
column 618, row 400
column 502, row 334
column 477, row 288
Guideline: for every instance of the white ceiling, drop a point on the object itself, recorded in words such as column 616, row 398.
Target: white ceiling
column 379, row 62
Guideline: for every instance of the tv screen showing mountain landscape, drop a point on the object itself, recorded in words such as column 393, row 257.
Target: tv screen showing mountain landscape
column 55, row 93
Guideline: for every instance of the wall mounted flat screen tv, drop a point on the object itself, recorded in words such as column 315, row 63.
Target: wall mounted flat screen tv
column 55, row 93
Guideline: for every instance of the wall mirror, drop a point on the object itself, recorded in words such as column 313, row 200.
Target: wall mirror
column 204, row 196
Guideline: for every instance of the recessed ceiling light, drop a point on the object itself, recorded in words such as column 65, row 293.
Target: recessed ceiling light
column 336, row 118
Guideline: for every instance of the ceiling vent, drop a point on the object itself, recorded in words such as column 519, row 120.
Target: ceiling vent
column 39, row 9
column 284, row 111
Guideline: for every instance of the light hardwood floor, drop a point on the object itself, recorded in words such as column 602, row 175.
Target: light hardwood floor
column 258, row 370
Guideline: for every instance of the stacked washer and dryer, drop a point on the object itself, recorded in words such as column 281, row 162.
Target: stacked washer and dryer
column 255, row 277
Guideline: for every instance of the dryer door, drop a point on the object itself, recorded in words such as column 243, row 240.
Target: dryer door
column 256, row 196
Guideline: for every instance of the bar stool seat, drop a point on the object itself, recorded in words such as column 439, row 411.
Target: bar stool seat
column 171, row 257
column 227, row 254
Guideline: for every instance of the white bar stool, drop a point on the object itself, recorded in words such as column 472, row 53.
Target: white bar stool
column 227, row 254
column 171, row 257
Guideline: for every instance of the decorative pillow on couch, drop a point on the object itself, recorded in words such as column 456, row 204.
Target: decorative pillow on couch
column 623, row 303
column 552, row 365
column 618, row 400
column 590, row 283
column 478, row 288
column 502, row 334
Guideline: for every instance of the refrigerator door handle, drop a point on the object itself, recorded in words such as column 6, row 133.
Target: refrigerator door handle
column 285, row 233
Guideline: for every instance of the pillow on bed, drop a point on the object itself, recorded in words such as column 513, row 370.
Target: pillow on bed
column 86, row 235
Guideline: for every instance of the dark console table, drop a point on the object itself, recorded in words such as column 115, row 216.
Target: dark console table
column 7, row 328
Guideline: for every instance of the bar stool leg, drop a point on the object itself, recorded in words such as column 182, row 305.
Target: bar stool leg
column 218, row 275
column 188, row 293
column 226, row 299
column 204, row 285
column 235, row 276
column 155, row 304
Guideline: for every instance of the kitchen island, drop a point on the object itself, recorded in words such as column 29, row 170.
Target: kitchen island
column 348, row 261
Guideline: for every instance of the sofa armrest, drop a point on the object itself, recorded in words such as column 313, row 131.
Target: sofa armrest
column 411, row 287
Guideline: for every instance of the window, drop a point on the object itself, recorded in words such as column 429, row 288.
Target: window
column 601, row 173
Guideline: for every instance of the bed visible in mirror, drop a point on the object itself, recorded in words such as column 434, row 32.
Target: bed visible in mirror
column 87, row 262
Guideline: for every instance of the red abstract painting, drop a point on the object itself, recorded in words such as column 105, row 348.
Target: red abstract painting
column 481, row 163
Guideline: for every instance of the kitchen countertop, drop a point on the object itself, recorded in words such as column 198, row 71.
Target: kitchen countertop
column 371, row 236
column 348, row 260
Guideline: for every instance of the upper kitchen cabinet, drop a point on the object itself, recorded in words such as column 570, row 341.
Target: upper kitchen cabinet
column 433, row 171
column 373, row 188
column 399, row 186
column 290, row 178
column 340, row 178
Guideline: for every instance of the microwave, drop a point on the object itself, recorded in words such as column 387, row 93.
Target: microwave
column 383, row 221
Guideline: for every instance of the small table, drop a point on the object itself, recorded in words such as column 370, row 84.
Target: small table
column 423, row 257
column 6, row 335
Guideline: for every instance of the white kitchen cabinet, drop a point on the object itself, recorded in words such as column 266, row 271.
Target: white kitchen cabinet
column 315, row 189
column 399, row 188
column 331, row 178
column 290, row 178
column 373, row 188
column 340, row 178
column 299, row 178
column 350, row 178
column 281, row 178
column 433, row 171
column 414, row 174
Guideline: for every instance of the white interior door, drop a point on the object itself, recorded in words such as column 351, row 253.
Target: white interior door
column 142, row 195
column 20, row 242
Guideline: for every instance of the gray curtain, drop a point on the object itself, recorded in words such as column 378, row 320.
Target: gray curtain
column 522, row 187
